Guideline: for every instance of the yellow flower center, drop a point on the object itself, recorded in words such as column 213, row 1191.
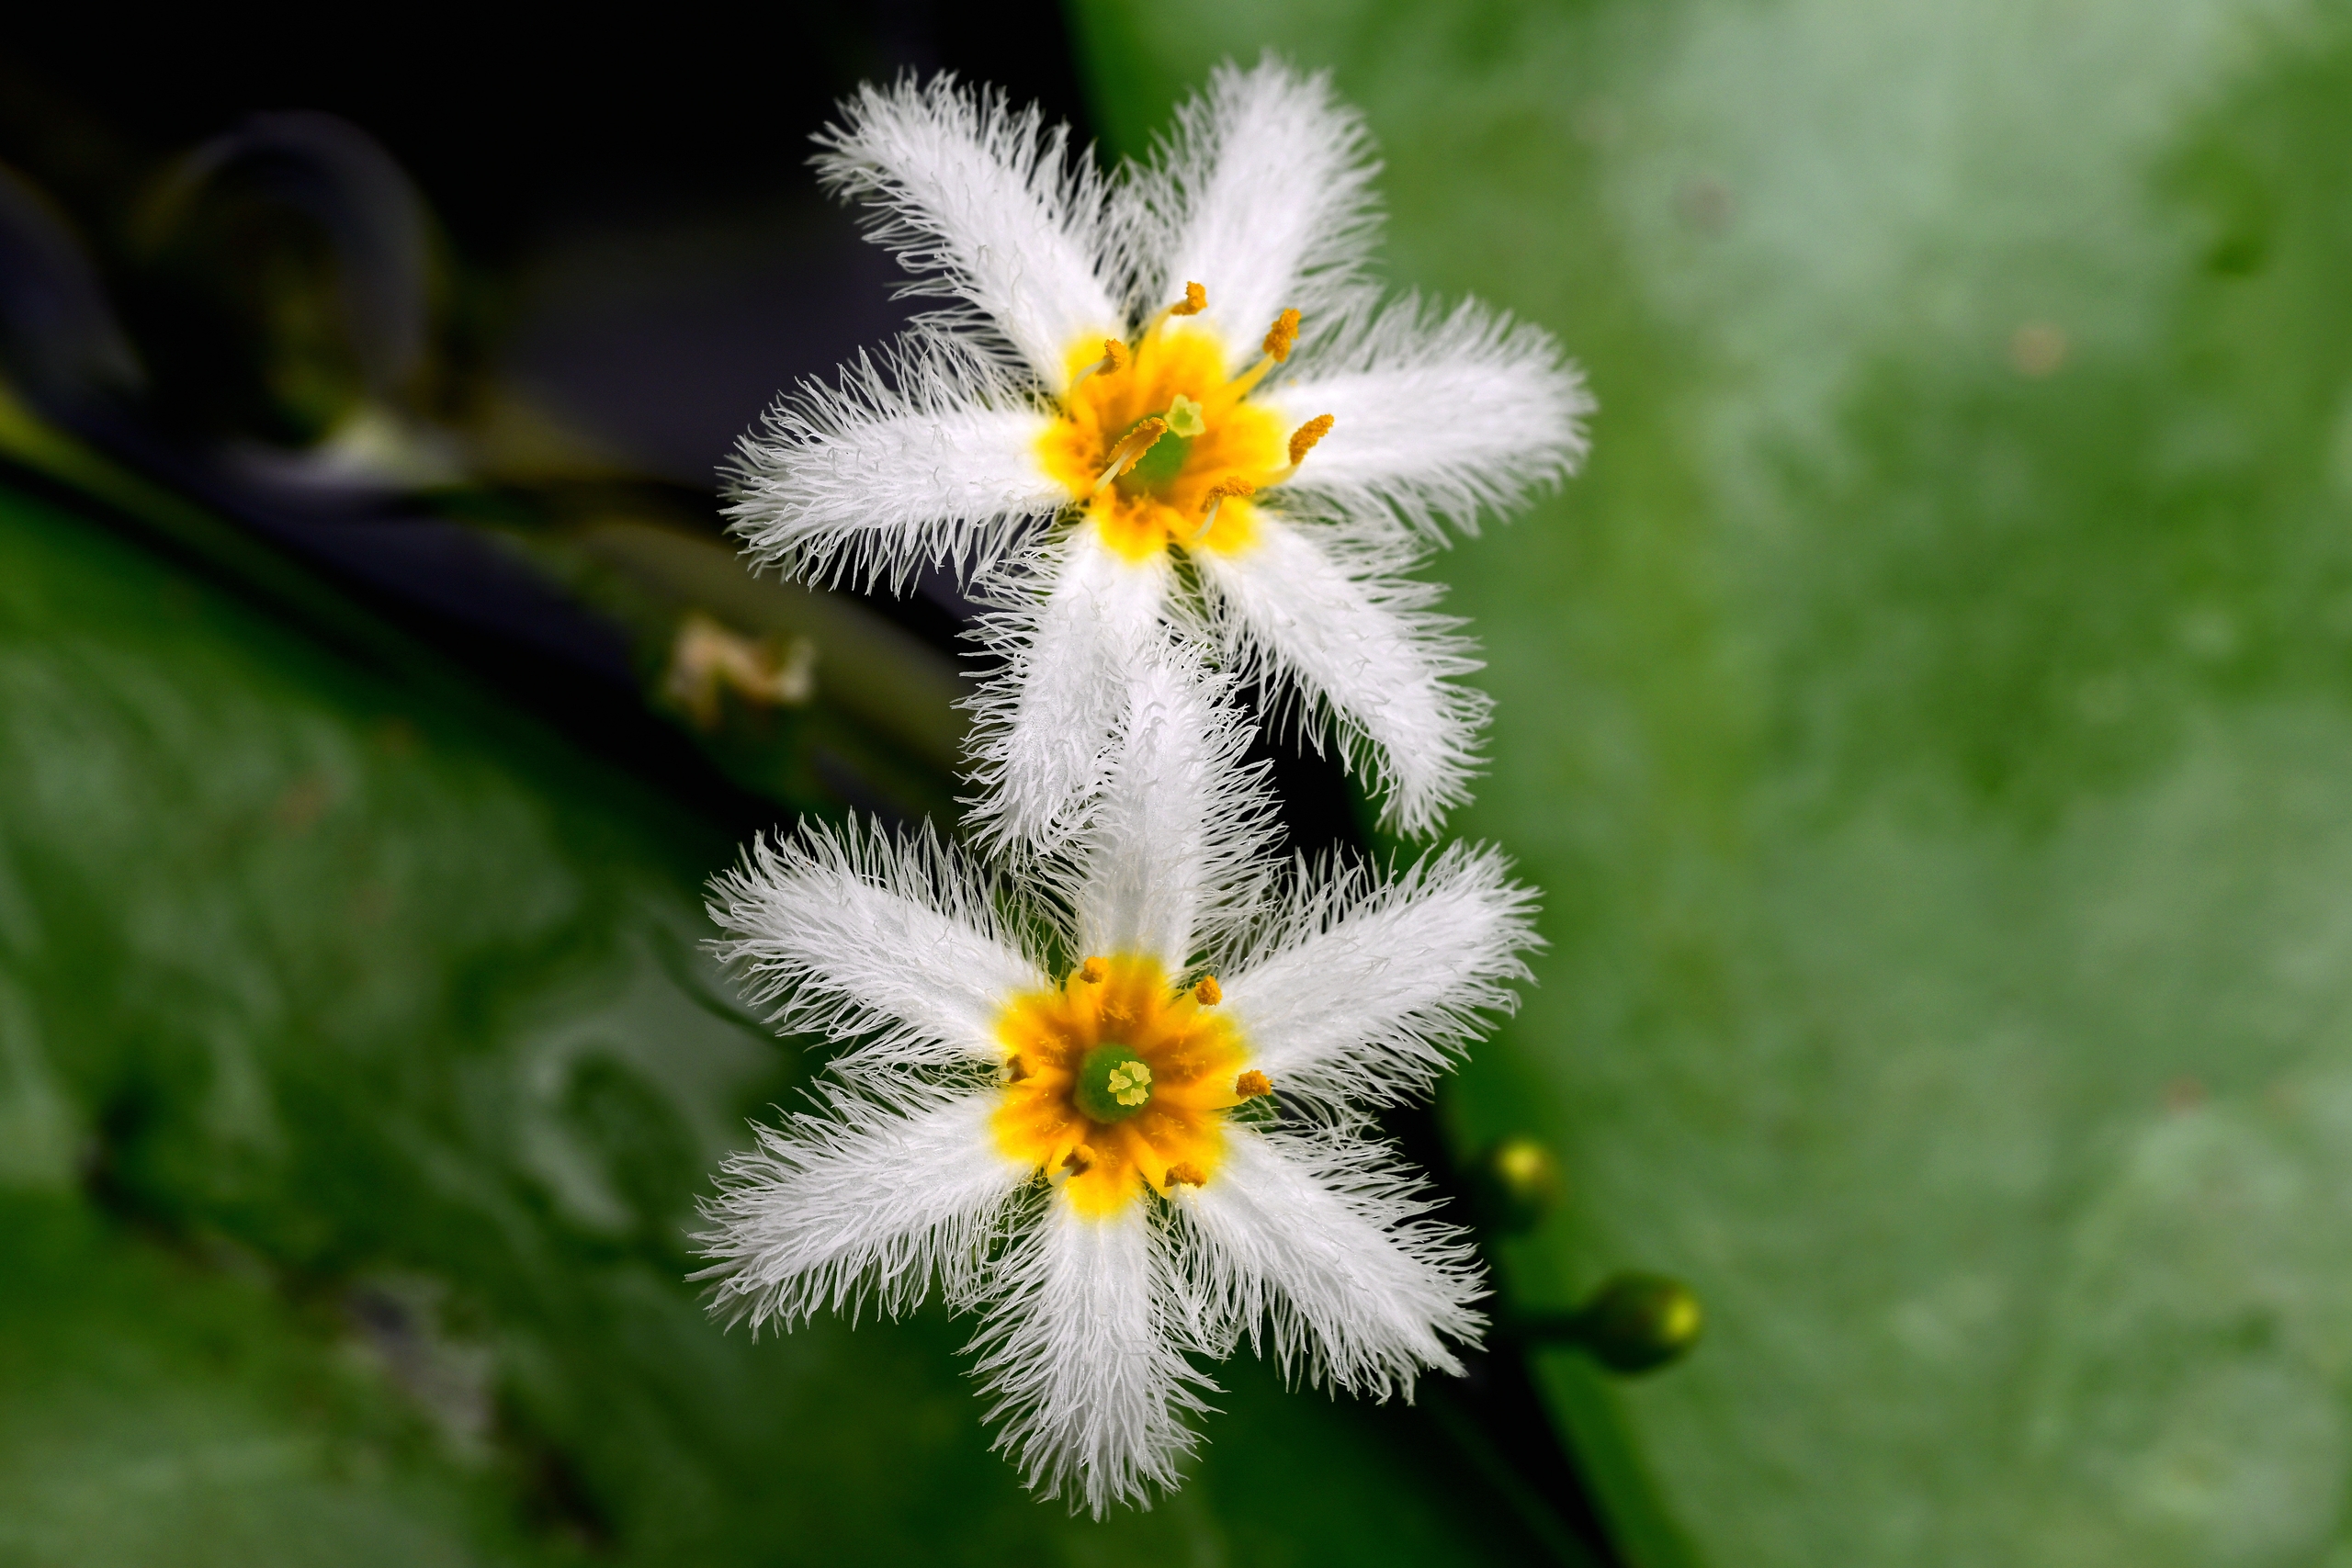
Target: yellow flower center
column 1157, row 444
column 1117, row 1084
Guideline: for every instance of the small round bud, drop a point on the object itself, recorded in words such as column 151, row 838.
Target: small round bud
column 1518, row 1183
column 1638, row 1323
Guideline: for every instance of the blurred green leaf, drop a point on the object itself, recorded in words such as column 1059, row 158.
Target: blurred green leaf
column 359, row 1066
column 1928, row 717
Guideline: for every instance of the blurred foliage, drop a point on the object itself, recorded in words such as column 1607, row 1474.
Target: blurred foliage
column 1931, row 720
column 359, row 1067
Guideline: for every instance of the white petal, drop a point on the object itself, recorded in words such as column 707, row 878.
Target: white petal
column 1439, row 418
column 1307, row 609
column 1084, row 1352
column 1360, row 991
column 927, row 457
column 984, row 204
column 1314, row 1240
column 854, row 935
column 1078, row 625
column 1172, row 851
column 1265, row 192
column 868, row 1202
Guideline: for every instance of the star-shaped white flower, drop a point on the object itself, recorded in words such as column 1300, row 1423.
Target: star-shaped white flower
column 1187, row 367
column 1126, row 1119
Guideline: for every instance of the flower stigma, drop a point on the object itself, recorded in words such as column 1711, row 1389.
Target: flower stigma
column 1122, row 1082
column 1113, row 1083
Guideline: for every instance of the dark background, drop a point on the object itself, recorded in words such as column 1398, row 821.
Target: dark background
column 631, row 204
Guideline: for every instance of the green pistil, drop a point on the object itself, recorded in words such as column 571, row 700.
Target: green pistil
column 1157, row 469
column 1159, row 465
column 1113, row 1083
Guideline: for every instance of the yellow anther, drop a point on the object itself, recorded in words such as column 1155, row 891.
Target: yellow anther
column 1303, row 439
column 1129, row 452
column 1282, row 336
column 1186, row 1173
column 1250, row 1085
column 1208, row 993
column 1115, row 357
column 1093, row 971
column 1224, row 490
column 1139, row 440
column 1218, row 494
column 1195, row 300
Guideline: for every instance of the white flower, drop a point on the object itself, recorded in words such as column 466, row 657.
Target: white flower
column 1066, row 1113
column 1189, row 368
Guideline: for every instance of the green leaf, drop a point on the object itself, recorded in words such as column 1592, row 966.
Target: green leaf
column 359, row 1068
column 1930, row 717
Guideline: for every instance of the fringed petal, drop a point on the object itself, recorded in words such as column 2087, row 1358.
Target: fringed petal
column 926, row 456
column 1083, row 1351
column 1315, row 1243
column 985, row 204
column 1358, row 991
column 895, row 944
column 1324, row 623
column 1264, row 194
column 867, row 1204
column 1439, row 418
column 1074, row 627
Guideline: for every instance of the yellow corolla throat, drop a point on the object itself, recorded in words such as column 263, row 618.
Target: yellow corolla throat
column 1117, row 1084
column 1157, row 444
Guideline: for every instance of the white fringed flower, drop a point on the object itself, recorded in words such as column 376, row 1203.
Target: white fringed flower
column 1066, row 1115
column 1186, row 366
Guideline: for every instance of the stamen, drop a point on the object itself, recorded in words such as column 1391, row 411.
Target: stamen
column 1186, row 1173
column 1208, row 993
column 1129, row 452
column 1195, row 300
column 1250, row 1085
column 1281, row 338
column 1077, row 1162
column 1093, row 971
column 1115, row 357
column 1016, row 1069
column 1303, row 439
column 1302, row 442
column 1219, row 493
